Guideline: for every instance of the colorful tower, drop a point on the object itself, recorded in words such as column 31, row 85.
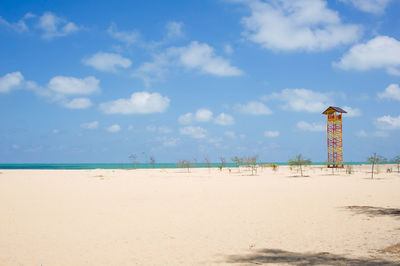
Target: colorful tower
column 335, row 140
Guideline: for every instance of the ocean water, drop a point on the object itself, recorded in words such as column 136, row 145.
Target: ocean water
column 74, row 166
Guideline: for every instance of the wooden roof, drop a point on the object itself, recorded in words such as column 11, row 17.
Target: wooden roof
column 332, row 109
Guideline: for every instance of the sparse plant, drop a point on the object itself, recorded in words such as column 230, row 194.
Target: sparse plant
column 376, row 159
column 388, row 170
column 252, row 162
column 223, row 163
column 133, row 158
column 207, row 162
column 152, row 160
column 349, row 169
column 237, row 162
column 274, row 166
column 396, row 160
column 299, row 161
column 185, row 164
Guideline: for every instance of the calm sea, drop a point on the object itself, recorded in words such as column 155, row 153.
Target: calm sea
column 73, row 166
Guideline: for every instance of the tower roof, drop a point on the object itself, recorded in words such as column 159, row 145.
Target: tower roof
column 332, row 109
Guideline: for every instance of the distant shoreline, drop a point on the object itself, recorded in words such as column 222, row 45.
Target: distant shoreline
column 88, row 166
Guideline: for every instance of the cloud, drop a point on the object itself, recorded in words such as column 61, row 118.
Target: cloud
column 195, row 56
column 174, row 30
column 302, row 125
column 253, row 108
column 127, row 37
column 388, row 122
column 138, row 103
column 380, row 52
column 361, row 133
column 352, row 112
column 74, row 86
column 114, row 128
column 228, row 49
column 78, row 103
column 201, row 56
column 392, row 92
column 160, row 129
column 271, row 134
column 194, row 132
column 19, row 27
column 230, row 134
column 224, row 120
column 289, row 25
column 107, row 61
column 203, row 115
column 11, row 81
column 186, row 119
column 90, row 125
column 300, row 100
column 55, row 131
column 53, row 26
column 168, row 141
column 370, row 6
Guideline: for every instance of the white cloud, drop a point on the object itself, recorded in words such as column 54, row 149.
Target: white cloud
column 300, row 100
column 380, row 52
column 186, row 119
column 19, row 26
column 230, row 134
column 194, row 132
column 388, row 122
column 164, row 130
column 202, row 56
column 90, row 125
column 302, row 125
column 114, row 128
column 253, row 108
column 107, row 61
column 127, row 37
column 11, row 81
column 203, row 115
column 73, row 86
column 53, row 26
column 174, row 30
column 78, row 103
column 361, row 133
column 381, row 134
column 55, row 131
column 138, row 103
column 168, row 142
column 391, row 92
column 352, row 112
column 224, row 120
column 228, row 49
column 370, row 6
column 271, row 134
column 197, row 56
column 297, row 25
column 160, row 129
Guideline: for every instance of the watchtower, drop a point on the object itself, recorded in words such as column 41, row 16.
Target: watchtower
column 335, row 139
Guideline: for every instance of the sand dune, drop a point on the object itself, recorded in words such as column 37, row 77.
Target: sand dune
column 171, row 217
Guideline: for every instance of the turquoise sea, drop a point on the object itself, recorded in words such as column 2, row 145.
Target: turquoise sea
column 73, row 166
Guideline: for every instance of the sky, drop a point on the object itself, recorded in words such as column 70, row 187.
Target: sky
column 96, row 81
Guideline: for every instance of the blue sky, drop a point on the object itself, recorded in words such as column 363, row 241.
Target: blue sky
column 94, row 81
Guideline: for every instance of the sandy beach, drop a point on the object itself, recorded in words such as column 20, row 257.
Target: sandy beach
column 205, row 217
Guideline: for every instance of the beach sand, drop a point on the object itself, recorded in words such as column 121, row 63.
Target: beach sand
column 206, row 217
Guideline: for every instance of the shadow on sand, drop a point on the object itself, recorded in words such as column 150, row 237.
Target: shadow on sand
column 278, row 256
column 374, row 211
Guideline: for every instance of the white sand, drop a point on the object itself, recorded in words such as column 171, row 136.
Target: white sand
column 170, row 217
